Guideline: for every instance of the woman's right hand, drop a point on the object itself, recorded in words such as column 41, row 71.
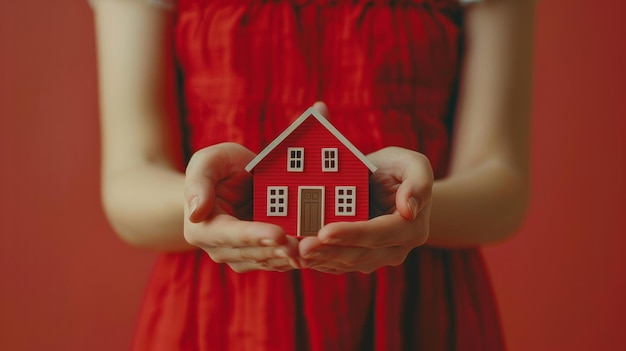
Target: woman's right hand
column 218, row 204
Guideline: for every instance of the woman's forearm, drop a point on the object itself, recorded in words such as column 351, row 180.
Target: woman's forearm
column 142, row 190
column 486, row 195
column 480, row 206
column 144, row 204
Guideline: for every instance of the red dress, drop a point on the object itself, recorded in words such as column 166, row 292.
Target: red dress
column 388, row 71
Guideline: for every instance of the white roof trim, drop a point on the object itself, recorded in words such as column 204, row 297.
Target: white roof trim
column 308, row 113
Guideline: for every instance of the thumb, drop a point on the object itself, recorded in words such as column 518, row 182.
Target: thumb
column 414, row 193
column 199, row 187
column 321, row 107
column 205, row 170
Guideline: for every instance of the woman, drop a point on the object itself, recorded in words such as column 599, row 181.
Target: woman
column 394, row 75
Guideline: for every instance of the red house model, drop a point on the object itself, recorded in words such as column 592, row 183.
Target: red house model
column 310, row 175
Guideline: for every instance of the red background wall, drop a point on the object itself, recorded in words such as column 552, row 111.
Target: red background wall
column 66, row 283
column 561, row 281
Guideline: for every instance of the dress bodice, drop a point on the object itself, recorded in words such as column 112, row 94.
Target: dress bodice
column 388, row 71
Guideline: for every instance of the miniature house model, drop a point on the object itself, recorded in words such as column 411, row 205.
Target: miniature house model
column 310, row 175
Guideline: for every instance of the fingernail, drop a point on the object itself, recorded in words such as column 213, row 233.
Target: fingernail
column 281, row 253
column 413, row 207
column 193, row 206
column 268, row 242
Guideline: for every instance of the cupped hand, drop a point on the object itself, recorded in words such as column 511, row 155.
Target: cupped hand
column 400, row 200
column 218, row 203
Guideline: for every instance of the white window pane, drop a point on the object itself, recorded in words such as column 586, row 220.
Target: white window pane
column 345, row 201
column 329, row 160
column 295, row 159
column 277, row 201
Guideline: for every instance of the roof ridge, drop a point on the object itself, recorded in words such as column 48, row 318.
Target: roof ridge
column 311, row 111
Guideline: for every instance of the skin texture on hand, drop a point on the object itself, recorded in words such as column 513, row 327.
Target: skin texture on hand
column 218, row 209
column 218, row 199
column 401, row 197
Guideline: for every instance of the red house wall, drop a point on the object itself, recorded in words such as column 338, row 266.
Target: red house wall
column 272, row 171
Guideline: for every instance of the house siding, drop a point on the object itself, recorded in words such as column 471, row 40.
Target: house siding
column 272, row 171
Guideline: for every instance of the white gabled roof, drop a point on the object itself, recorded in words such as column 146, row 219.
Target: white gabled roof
column 308, row 113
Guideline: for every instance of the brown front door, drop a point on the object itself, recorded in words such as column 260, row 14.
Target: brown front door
column 310, row 211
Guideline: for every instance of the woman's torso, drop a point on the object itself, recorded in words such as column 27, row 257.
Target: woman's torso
column 388, row 71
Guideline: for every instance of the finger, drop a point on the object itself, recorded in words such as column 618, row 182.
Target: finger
column 276, row 265
column 342, row 269
column 333, row 267
column 222, row 230
column 415, row 173
column 358, row 259
column 414, row 193
column 330, row 270
column 307, row 245
column 252, row 254
column 380, row 232
column 321, row 107
column 336, row 268
column 343, row 255
column 205, row 170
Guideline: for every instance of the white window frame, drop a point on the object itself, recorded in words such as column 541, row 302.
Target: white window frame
column 345, row 201
column 292, row 158
column 332, row 159
column 277, row 200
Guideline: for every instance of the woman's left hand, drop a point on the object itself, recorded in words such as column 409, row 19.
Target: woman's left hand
column 400, row 201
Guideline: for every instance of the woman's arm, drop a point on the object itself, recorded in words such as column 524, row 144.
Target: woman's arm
column 484, row 198
column 142, row 191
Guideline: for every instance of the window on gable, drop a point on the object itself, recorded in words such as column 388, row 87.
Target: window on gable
column 345, row 201
column 329, row 160
column 276, row 200
column 295, row 159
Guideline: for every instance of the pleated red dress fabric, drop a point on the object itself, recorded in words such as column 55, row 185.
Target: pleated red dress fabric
column 388, row 71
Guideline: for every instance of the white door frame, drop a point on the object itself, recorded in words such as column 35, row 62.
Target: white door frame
column 323, row 204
